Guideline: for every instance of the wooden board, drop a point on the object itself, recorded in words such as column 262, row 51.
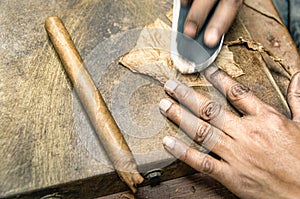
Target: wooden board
column 192, row 186
column 47, row 144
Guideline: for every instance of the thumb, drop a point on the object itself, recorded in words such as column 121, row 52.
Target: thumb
column 293, row 95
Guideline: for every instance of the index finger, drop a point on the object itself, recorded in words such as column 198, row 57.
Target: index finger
column 238, row 94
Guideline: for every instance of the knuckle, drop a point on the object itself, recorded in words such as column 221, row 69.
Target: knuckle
column 184, row 93
column 203, row 132
column 205, row 165
column 238, row 91
column 185, row 155
column 210, row 110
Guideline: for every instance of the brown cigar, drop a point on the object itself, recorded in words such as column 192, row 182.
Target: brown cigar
column 93, row 103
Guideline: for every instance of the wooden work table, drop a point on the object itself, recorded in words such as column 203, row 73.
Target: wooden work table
column 48, row 147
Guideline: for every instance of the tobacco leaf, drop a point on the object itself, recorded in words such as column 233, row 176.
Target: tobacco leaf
column 151, row 56
column 265, row 53
column 257, row 6
column 225, row 61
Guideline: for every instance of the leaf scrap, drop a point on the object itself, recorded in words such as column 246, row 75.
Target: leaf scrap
column 225, row 61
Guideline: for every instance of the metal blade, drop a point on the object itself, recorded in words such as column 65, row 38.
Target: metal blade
column 185, row 50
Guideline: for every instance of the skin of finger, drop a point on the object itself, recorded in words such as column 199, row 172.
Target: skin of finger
column 294, row 97
column 257, row 170
column 238, row 94
column 265, row 162
column 198, row 160
column 198, row 14
column 267, row 159
column 185, row 2
column 221, row 20
column 200, row 131
column 205, row 108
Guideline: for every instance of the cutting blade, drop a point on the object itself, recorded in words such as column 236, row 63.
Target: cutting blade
column 190, row 55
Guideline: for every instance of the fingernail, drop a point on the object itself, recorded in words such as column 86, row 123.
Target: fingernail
column 212, row 37
column 190, row 29
column 210, row 71
column 170, row 86
column 169, row 142
column 164, row 106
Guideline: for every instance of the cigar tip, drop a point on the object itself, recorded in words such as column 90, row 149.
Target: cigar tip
column 51, row 19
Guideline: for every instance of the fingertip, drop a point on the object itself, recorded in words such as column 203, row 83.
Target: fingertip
column 190, row 29
column 170, row 86
column 296, row 75
column 295, row 83
column 212, row 37
column 176, row 147
column 164, row 106
column 210, row 71
column 293, row 96
column 169, row 142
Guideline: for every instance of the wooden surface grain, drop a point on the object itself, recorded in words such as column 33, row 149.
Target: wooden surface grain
column 47, row 144
column 40, row 146
column 191, row 186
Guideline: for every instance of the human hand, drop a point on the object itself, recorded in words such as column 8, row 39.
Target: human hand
column 259, row 152
column 220, row 22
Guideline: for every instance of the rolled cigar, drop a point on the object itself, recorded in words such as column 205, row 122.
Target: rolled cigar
column 105, row 126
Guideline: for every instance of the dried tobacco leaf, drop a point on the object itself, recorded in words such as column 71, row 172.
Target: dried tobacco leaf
column 151, row 56
column 265, row 53
column 260, row 8
column 226, row 62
